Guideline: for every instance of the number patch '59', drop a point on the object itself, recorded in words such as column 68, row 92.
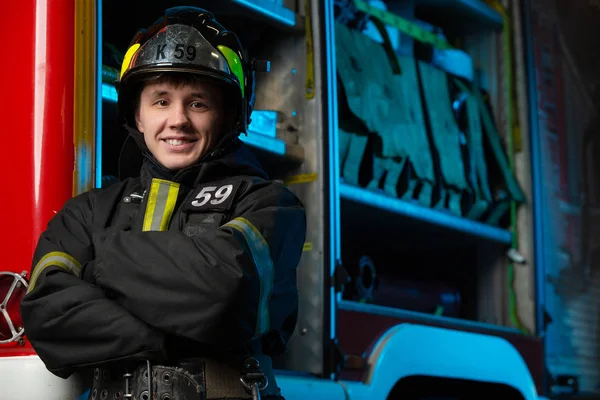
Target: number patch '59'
column 214, row 197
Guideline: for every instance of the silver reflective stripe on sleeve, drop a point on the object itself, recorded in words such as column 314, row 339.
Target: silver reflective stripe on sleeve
column 54, row 259
column 261, row 255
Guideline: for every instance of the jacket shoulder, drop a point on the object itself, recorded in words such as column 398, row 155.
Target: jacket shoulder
column 115, row 191
column 86, row 204
column 267, row 193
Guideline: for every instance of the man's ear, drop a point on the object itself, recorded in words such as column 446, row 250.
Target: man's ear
column 138, row 124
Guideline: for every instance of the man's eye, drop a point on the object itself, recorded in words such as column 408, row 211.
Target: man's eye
column 197, row 104
column 161, row 103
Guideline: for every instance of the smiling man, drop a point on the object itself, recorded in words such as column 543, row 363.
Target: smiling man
column 180, row 121
column 180, row 283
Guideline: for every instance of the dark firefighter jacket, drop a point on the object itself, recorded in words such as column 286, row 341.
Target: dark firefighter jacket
column 151, row 268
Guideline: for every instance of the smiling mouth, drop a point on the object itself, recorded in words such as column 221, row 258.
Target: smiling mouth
column 178, row 142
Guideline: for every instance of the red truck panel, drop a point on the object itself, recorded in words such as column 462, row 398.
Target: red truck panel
column 37, row 154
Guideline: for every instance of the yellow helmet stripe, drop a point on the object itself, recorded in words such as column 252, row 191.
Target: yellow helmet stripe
column 127, row 59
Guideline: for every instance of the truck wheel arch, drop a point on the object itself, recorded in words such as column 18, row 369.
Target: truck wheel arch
column 438, row 355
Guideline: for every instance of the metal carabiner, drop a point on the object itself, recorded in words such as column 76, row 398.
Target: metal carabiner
column 254, row 381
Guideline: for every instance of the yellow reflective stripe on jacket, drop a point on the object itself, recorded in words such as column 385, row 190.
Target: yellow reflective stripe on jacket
column 54, row 259
column 264, row 266
column 161, row 203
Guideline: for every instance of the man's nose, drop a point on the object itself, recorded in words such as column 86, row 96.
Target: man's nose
column 179, row 118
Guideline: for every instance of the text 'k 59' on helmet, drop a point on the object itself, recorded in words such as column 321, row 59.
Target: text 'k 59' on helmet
column 190, row 40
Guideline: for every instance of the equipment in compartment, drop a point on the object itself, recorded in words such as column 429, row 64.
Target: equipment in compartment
column 421, row 296
column 445, row 137
column 381, row 106
column 504, row 183
column 425, row 296
column 363, row 281
column 422, row 135
column 349, row 15
column 467, row 113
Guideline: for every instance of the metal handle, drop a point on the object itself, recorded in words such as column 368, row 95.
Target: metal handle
column 16, row 332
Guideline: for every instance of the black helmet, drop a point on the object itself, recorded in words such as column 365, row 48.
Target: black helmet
column 189, row 39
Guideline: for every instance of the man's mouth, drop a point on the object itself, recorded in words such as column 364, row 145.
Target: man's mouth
column 178, row 142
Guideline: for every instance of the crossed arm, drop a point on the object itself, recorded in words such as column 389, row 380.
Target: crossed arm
column 225, row 286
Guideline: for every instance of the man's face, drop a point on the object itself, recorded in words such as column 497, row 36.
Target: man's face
column 180, row 123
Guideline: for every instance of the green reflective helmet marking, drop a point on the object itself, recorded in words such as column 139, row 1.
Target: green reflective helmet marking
column 235, row 64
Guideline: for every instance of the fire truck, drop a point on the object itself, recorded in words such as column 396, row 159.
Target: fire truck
column 418, row 278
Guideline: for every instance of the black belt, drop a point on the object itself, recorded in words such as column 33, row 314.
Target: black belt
column 191, row 379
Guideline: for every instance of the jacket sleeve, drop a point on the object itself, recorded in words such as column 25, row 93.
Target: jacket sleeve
column 227, row 285
column 70, row 322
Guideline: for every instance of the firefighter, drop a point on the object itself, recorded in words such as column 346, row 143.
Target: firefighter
column 181, row 283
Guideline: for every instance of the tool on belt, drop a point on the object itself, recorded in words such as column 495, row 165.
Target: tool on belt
column 189, row 379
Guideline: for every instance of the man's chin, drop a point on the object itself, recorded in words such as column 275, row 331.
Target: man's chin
column 177, row 164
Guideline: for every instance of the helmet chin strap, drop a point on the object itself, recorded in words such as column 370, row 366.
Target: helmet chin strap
column 221, row 145
column 138, row 137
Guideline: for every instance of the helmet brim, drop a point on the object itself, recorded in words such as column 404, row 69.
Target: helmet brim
column 137, row 74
